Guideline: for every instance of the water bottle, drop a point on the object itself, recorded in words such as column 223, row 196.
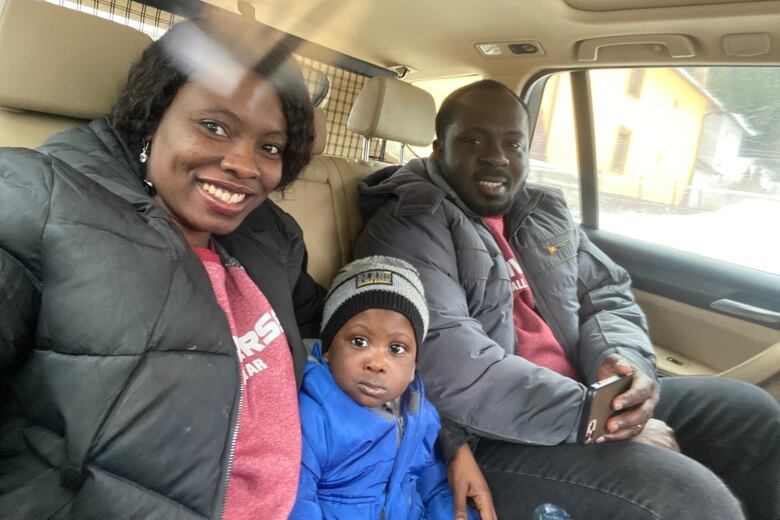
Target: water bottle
column 550, row 512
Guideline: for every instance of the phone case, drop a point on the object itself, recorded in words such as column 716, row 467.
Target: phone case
column 598, row 407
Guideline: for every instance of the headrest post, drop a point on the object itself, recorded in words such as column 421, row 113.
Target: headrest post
column 366, row 146
column 401, row 159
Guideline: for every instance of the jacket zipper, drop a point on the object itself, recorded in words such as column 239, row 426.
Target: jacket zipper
column 176, row 256
column 398, row 437
column 233, row 440
column 553, row 324
column 513, row 243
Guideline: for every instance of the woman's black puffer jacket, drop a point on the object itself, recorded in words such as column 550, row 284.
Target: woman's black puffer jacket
column 119, row 381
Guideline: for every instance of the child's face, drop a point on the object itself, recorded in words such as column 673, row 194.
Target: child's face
column 372, row 356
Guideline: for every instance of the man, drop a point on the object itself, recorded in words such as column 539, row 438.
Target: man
column 525, row 312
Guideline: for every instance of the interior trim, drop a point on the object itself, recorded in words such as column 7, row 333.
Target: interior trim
column 688, row 277
column 188, row 8
column 586, row 149
column 622, row 5
column 746, row 45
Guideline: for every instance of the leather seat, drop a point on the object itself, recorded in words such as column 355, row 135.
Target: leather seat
column 324, row 200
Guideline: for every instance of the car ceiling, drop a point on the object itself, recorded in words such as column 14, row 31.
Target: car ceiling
column 438, row 37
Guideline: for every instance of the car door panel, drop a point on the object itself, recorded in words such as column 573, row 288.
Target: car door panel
column 677, row 289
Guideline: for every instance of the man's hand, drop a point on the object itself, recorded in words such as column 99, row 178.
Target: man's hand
column 467, row 481
column 659, row 434
column 637, row 403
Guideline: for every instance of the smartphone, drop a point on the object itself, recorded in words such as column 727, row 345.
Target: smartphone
column 598, row 406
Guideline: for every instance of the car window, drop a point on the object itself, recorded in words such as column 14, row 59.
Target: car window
column 686, row 157
column 553, row 154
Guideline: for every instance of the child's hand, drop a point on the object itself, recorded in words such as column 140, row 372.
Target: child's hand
column 467, row 481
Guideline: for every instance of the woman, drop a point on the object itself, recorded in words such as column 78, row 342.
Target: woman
column 153, row 301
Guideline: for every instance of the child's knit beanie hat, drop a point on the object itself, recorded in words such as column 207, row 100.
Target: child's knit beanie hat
column 375, row 282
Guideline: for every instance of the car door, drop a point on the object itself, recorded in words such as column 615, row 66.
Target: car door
column 675, row 174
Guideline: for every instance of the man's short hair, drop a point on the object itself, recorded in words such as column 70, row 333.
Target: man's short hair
column 449, row 106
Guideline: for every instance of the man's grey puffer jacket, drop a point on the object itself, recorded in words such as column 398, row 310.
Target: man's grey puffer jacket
column 119, row 380
column 466, row 360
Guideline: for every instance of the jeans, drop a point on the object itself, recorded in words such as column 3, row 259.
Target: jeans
column 729, row 434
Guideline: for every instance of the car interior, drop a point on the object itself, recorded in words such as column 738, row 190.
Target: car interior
column 386, row 66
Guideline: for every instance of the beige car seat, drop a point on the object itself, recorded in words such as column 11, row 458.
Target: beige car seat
column 324, row 200
column 394, row 110
column 60, row 68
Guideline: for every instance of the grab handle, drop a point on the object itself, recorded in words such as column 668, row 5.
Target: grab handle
column 678, row 45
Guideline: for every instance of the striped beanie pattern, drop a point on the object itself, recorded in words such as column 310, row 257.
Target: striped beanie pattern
column 375, row 282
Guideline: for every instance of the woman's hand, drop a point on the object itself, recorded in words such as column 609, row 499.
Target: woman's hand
column 637, row 403
column 467, row 481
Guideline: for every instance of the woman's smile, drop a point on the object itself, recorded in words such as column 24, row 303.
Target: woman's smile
column 225, row 200
column 223, row 194
column 214, row 159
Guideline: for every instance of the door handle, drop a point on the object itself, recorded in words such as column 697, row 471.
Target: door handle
column 743, row 310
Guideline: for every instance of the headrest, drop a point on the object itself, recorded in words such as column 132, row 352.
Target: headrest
column 320, row 132
column 392, row 109
column 59, row 61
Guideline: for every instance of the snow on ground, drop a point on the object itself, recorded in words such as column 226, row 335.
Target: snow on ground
column 745, row 233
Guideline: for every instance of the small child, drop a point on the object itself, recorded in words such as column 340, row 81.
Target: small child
column 368, row 430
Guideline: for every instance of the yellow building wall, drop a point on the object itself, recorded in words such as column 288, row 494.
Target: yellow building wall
column 665, row 123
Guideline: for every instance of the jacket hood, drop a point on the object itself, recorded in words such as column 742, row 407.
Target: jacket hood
column 409, row 183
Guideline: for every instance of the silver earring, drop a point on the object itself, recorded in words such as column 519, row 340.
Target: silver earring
column 144, row 156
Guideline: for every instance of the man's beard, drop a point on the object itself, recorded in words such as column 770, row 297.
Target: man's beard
column 492, row 210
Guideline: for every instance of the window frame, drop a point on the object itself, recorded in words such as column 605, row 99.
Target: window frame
column 679, row 275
